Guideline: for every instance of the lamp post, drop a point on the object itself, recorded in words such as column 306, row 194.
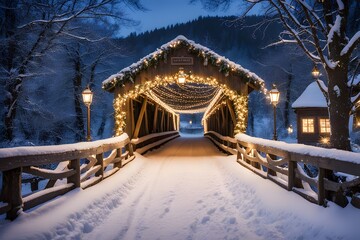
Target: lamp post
column 87, row 96
column 274, row 99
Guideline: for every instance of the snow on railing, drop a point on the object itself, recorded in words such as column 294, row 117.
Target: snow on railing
column 66, row 167
column 150, row 141
column 315, row 173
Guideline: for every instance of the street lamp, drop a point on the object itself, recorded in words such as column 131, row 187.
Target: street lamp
column 274, row 99
column 315, row 73
column 87, row 96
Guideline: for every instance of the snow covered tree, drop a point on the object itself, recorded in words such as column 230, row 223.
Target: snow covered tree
column 328, row 33
column 32, row 29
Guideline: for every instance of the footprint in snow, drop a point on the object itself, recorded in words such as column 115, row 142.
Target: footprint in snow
column 205, row 219
column 211, row 211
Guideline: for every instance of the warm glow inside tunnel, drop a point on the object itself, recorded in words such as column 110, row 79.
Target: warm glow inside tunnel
column 196, row 95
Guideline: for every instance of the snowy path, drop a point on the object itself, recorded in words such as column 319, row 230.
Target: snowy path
column 184, row 190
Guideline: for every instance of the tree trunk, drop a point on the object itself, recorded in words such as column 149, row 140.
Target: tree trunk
column 79, row 120
column 339, row 107
column 13, row 85
column 287, row 102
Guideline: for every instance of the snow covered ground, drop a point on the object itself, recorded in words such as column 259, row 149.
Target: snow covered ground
column 184, row 190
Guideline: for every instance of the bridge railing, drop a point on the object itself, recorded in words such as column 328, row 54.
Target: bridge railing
column 154, row 140
column 65, row 166
column 315, row 173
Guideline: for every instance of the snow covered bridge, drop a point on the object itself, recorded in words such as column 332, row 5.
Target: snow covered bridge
column 181, row 77
column 187, row 189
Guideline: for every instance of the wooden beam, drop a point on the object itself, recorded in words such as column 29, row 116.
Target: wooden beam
column 155, row 118
column 146, row 123
column 174, row 121
column 140, row 118
column 167, row 121
column 231, row 110
column 132, row 115
column 11, row 192
column 162, row 120
column 223, row 121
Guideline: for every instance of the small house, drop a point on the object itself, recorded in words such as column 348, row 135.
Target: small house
column 313, row 124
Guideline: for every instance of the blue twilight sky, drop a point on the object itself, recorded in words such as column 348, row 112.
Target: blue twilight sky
column 162, row 13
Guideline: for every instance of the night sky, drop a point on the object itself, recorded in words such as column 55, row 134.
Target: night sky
column 162, row 13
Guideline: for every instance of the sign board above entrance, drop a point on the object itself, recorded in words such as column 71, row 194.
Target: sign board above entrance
column 182, row 61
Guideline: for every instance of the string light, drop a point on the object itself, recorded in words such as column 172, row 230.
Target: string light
column 209, row 57
column 240, row 102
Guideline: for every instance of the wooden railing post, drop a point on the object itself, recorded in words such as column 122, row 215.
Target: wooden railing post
column 321, row 187
column 129, row 147
column 75, row 179
column 100, row 162
column 118, row 155
column 291, row 174
column 270, row 171
column 12, row 192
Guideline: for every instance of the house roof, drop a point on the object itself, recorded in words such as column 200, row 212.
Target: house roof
column 210, row 57
column 311, row 97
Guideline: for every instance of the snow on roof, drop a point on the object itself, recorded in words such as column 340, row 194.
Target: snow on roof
column 311, row 97
column 209, row 56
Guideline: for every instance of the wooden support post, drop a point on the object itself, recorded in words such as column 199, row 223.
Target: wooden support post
column 321, row 187
column 132, row 115
column 270, row 171
column 162, row 120
column 129, row 147
column 146, row 123
column 178, row 122
column 231, row 110
column 291, row 175
column 167, row 121
column 223, row 121
column 100, row 162
column 75, row 179
column 174, row 121
column 11, row 192
column 129, row 121
column 118, row 155
column 155, row 118
column 139, row 121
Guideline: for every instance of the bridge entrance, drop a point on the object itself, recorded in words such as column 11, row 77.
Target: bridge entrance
column 181, row 77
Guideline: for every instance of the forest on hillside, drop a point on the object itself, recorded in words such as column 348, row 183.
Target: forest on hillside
column 44, row 68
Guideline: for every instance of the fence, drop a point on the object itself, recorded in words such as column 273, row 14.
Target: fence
column 77, row 165
column 306, row 170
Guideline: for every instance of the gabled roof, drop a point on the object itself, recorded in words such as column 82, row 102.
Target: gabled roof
column 210, row 57
column 311, row 97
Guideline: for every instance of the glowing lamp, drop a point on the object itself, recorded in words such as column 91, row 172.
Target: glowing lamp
column 290, row 129
column 315, row 72
column 87, row 96
column 181, row 76
column 325, row 140
column 274, row 95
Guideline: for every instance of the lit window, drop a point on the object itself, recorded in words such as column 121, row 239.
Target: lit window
column 324, row 125
column 308, row 125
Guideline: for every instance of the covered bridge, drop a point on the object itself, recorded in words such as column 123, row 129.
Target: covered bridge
column 181, row 77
